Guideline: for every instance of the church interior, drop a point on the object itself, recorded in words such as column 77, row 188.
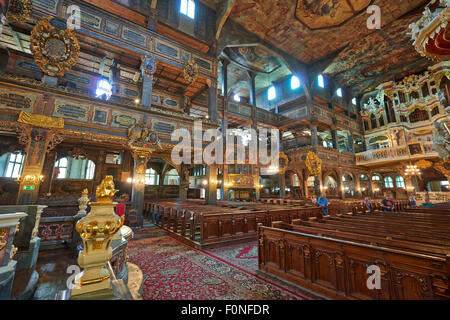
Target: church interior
column 99, row 100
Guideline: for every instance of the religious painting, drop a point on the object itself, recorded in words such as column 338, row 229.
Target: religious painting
column 3, row 11
column 141, row 6
column 415, row 148
column 318, row 14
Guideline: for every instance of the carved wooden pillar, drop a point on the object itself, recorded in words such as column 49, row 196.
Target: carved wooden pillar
column 148, row 67
column 184, row 182
column 211, row 188
column 141, row 158
column 212, row 101
column 40, row 135
column 340, row 186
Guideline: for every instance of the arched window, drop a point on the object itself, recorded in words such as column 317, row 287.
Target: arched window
column 376, row 178
column 12, row 165
column 151, row 177
column 363, row 177
column 70, row 168
column 172, row 178
column 400, row 182
column 295, row 181
column 388, row 182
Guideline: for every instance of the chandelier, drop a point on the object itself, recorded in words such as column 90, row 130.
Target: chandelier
column 412, row 170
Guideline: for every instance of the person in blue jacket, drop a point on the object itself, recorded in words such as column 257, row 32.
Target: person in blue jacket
column 367, row 203
column 323, row 203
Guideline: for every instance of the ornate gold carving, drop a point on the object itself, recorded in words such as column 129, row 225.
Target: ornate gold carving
column 3, row 242
column 313, row 163
column 40, row 121
column 105, row 191
column 423, row 164
column 54, row 141
column 20, row 10
column 13, row 252
column 190, row 70
column 55, row 51
column 283, row 162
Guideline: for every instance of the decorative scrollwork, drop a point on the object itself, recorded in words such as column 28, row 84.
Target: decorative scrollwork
column 190, row 70
column 20, row 10
column 313, row 163
column 55, row 50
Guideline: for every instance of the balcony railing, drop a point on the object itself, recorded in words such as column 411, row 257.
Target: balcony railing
column 411, row 151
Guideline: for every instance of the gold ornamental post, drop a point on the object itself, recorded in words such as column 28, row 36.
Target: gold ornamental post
column 97, row 230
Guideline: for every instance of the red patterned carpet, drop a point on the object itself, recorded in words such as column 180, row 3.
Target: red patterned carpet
column 243, row 255
column 174, row 271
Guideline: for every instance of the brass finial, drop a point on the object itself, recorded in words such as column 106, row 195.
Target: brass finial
column 105, row 191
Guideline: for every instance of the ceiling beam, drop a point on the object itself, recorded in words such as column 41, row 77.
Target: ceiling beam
column 225, row 7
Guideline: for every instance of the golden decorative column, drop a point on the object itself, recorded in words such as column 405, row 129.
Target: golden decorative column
column 97, row 230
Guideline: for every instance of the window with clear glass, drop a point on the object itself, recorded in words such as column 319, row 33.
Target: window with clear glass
column 339, row 92
column 400, row 182
column 354, row 101
column 151, row 177
column 376, row 178
column 172, row 178
column 271, row 93
column 295, row 82
column 15, row 165
column 187, row 7
column 61, row 164
column 70, row 168
column 236, row 98
column 320, row 81
column 388, row 182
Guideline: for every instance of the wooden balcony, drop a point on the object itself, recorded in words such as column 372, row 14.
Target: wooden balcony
column 413, row 151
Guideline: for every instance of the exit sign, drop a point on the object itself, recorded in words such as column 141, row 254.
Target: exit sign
column 28, row 188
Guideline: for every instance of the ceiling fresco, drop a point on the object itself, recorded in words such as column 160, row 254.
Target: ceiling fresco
column 318, row 14
column 256, row 58
column 378, row 58
column 336, row 31
column 259, row 59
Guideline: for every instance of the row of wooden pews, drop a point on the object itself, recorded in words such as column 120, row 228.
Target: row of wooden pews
column 200, row 225
column 331, row 256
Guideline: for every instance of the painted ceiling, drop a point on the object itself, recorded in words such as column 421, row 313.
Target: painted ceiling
column 265, row 64
column 335, row 31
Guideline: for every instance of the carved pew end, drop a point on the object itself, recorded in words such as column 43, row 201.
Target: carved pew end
column 277, row 224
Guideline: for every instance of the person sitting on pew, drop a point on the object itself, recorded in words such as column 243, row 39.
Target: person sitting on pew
column 314, row 200
column 367, row 203
column 427, row 202
column 412, row 201
column 323, row 203
column 387, row 204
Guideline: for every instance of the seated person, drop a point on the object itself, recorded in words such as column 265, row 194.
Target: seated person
column 427, row 202
column 323, row 203
column 367, row 203
column 314, row 200
column 387, row 204
column 412, row 201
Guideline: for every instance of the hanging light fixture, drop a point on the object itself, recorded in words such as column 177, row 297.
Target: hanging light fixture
column 412, row 170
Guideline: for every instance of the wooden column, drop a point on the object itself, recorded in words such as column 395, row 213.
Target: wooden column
column 40, row 141
column 141, row 158
column 211, row 188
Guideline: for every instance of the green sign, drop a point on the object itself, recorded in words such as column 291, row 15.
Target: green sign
column 28, row 188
